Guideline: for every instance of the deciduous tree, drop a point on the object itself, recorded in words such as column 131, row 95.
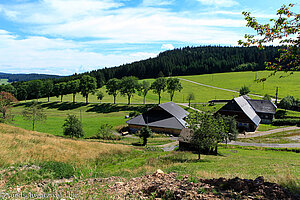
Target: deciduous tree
column 159, row 86
column 143, row 89
column 73, row 87
column 100, row 95
column 129, row 85
column 60, row 89
column 36, row 87
column 113, row 88
column 34, row 113
column 6, row 99
column 284, row 28
column 87, row 85
column 190, row 97
column 48, row 88
column 73, row 127
column 208, row 130
column 173, row 84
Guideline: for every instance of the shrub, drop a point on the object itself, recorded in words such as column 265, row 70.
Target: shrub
column 244, row 90
column 73, row 127
column 106, row 132
column 288, row 121
column 145, row 133
column 280, row 114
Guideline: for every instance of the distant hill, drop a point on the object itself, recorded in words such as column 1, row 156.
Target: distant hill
column 26, row 77
column 190, row 61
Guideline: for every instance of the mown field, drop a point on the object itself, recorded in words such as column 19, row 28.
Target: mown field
column 234, row 80
column 279, row 138
column 92, row 116
column 86, row 159
column 202, row 94
column 289, row 85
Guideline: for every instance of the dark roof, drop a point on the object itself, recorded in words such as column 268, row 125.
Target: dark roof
column 166, row 115
column 175, row 110
column 263, row 106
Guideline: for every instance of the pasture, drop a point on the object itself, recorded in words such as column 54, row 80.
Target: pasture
column 91, row 115
column 287, row 85
column 202, row 94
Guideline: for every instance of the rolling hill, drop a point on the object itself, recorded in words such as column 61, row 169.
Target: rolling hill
column 26, row 77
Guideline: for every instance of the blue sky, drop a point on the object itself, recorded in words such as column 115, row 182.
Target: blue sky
column 67, row 36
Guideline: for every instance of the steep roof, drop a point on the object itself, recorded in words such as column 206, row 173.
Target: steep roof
column 171, row 116
column 247, row 109
column 263, row 106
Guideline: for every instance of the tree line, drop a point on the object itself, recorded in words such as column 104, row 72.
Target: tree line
column 26, row 77
column 182, row 61
column 86, row 85
column 188, row 61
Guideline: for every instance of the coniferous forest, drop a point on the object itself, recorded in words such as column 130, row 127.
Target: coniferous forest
column 191, row 61
column 183, row 61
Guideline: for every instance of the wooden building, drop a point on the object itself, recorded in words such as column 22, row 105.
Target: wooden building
column 265, row 109
column 166, row 118
column 246, row 117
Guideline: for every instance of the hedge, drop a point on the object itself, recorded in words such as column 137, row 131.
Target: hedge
column 288, row 121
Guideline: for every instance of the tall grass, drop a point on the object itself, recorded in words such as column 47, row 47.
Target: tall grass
column 21, row 146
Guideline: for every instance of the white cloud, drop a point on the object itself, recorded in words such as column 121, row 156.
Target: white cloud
column 167, row 46
column 57, row 11
column 91, row 18
column 55, row 56
column 219, row 3
column 108, row 22
column 157, row 2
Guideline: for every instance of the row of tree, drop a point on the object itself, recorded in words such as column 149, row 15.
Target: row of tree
column 36, row 89
column 127, row 86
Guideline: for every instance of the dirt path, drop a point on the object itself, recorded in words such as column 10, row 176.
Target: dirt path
column 228, row 90
column 288, row 145
column 169, row 147
column 261, row 133
column 187, row 105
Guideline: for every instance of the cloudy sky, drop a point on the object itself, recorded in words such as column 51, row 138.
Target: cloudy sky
column 67, row 36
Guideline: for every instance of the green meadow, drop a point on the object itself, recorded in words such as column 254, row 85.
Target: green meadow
column 287, row 85
column 202, row 94
column 3, row 81
column 92, row 116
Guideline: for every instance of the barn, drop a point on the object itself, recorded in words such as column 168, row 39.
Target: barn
column 166, row 117
column 246, row 117
column 265, row 109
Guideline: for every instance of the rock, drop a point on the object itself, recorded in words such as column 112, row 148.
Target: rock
column 159, row 171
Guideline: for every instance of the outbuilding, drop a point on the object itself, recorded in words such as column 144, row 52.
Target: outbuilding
column 165, row 117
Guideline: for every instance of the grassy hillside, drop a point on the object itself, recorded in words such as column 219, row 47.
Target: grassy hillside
column 234, row 80
column 202, row 94
column 289, row 85
column 21, row 146
column 37, row 156
column 92, row 115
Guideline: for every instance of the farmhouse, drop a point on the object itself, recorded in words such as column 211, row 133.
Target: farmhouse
column 166, row 118
column 246, row 116
column 265, row 109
